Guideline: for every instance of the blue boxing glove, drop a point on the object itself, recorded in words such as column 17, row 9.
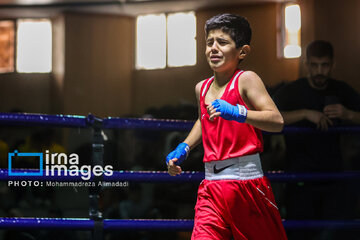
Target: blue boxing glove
column 181, row 152
column 230, row 112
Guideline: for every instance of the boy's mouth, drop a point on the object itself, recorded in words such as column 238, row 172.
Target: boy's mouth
column 215, row 58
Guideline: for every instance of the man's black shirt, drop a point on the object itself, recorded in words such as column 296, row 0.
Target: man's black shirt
column 318, row 152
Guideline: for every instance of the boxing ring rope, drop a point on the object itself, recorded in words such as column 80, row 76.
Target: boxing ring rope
column 96, row 224
column 27, row 119
column 186, row 176
column 74, row 121
column 147, row 124
column 184, row 125
column 83, row 224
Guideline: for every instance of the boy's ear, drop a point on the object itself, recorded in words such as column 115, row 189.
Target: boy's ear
column 245, row 50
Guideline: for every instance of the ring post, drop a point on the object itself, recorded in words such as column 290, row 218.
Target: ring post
column 97, row 159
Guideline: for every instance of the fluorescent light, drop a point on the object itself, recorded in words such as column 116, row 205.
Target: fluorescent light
column 292, row 29
column 292, row 18
column 292, row 51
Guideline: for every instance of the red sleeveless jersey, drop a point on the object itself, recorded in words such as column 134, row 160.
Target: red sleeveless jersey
column 224, row 139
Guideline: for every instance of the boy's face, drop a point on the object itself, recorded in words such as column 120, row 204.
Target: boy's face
column 221, row 52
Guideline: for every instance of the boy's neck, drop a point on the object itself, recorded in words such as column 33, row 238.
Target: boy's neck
column 222, row 78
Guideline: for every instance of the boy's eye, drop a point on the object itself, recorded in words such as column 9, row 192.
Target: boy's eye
column 210, row 42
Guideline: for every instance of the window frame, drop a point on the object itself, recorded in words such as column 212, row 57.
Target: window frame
column 166, row 47
column 15, row 44
column 15, row 21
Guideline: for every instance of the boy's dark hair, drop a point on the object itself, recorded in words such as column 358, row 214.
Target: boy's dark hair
column 236, row 26
column 319, row 48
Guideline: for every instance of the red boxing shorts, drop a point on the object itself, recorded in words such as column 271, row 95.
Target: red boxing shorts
column 236, row 209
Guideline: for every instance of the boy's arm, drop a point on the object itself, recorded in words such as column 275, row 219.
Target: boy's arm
column 194, row 137
column 263, row 112
column 192, row 140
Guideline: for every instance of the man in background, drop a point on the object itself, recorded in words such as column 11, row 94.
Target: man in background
column 321, row 102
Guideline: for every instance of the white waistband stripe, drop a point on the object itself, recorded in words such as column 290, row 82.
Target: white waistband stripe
column 240, row 168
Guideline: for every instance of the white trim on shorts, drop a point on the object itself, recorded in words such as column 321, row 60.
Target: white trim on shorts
column 239, row 168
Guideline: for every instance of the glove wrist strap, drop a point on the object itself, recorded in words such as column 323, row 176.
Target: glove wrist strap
column 242, row 113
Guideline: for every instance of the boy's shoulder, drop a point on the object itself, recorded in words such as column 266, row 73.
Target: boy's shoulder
column 248, row 74
column 199, row 85
column 248, row 77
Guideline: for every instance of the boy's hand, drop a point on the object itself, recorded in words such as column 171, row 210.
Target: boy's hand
column 212, row 112
column 227, row 111
column 181, row 152
column 176, row 157
column 173, row 169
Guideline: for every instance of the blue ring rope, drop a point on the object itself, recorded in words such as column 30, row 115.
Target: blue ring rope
column 85, row 224
column 148, row 225
column 47, row 223
column 27, row 119
column 186, row 176
column 150, row 124
column 181, row 125
column 317, row 224
column 193, row 176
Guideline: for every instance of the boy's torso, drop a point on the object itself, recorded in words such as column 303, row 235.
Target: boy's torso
column 215, row 92
column 224, row 139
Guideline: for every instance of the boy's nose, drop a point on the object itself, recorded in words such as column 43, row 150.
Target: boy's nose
column 214, row 47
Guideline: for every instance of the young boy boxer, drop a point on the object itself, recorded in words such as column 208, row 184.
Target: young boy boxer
column 235, row 201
